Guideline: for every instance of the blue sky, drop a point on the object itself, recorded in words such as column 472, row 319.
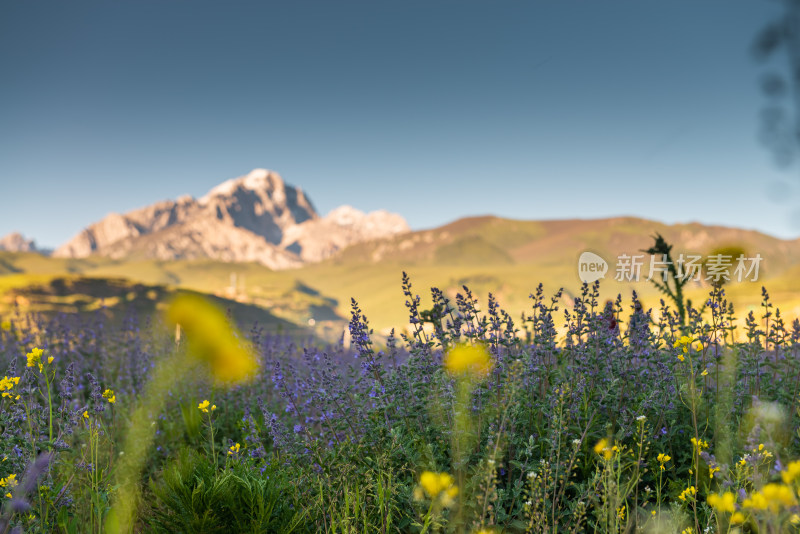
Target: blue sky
column 435, row 110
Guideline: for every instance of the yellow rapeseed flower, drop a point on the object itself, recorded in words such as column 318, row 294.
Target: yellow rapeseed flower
column 7, row 383
column 205, row 406
column 792, row 472
column 211, row 339
column 110, row 396
column 35, row 358
column 688, row 493
column 684, row 342
column 723, row 503
column 472, row 360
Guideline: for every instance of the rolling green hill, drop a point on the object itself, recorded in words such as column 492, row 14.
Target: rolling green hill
column 489, row 254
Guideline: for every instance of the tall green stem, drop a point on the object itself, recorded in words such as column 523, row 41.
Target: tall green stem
column 140, row 437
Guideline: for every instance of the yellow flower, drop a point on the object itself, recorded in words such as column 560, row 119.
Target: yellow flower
column 468, row 360
column 234, row 449
column 621, row 512
column 704, row 373
column 211, row 339
column 603, row 449
column 685, row 342
column 680, row 357
column 205, row 406
column 699, row 444
column 10, row 481
column 35, row 358
column 772, row 497
column 779, row 493
column 723, row 503
column 8, row 495
column 86, row 414
column 5, row 325
column 737, row 518
column 50, row 359
column 8, row 383
column 688, row 493
column 110, row 396
column 792, row 472
column 711, row 471
column 439, row 486
column 663, row 458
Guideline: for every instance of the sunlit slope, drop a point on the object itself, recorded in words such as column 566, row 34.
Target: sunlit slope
column 116, row 297
column 506, row 257
column 540, row 251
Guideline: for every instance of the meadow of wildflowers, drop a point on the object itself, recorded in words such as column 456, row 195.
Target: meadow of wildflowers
column 622, row 420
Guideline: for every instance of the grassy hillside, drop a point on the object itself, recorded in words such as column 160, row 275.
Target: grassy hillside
column 507, row 257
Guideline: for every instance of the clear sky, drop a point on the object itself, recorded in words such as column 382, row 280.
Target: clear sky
column 433, row 109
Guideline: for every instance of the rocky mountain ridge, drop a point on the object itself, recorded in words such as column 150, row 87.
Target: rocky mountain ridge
column 16, row 242
column 253, row 218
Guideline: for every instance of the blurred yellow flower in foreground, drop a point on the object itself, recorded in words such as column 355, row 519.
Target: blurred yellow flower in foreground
column 468, row 360
column 791, row 472
column 603, row 449
column 212, row 339
column 439, row 486
column 772, row 497
column 723, row 503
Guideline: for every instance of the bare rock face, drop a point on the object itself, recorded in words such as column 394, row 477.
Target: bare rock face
column 317, row 239
column 16, row 242
column 253, row 218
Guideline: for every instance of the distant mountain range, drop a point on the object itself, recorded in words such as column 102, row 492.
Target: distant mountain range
column 253, row 218
column 190, row 245
column 16, row 242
